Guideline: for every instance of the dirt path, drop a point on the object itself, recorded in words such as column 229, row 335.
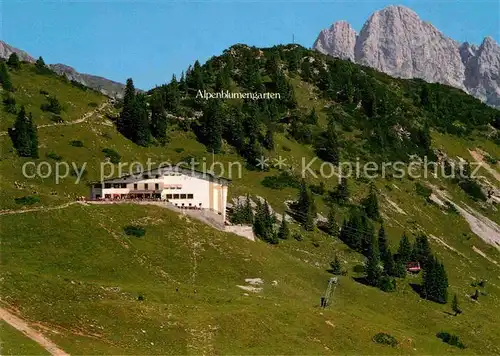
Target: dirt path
column 69, row 123
column 479, row 157
column 34, row 335
column 42, row 208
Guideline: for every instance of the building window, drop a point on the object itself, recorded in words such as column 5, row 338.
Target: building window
column 146, row 186
column 157, row 186
column 145, row 176
column 176, row 196
column 183, row 196
column 157, row 176
column 190, row 196
column 135, row 186
column 169, row 196
column 99, row 185
column 178, row 187
column 107, row 185
column 124, row 185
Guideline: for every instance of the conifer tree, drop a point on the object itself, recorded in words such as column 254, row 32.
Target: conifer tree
column 247, row 211
column 404, row 250
column 158, row 118
column 5, row 77
column 173, row 96
column 389, row 264
column 341, row 194
column 40, row 66
column 268, row 141
column 336, row 266
column 327, row 146
column 333, row 227
column 454, row 305
column 305, row 208
column 125, row 122
column 370, row 204
column 435, row 282
column 284, row 232
column 211, row 126
column 373, row 272
column 263, row 223
column 21, row 134
column 422, row 251
column 13, row 61
column 382, row 243
column 141, row 125
column 33, row 137
column 24, row 135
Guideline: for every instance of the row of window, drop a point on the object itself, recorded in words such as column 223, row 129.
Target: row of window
column 124, row 185
column 180, row 196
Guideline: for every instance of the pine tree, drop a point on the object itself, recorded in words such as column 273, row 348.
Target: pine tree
column 13, row 61
column 327, row 146
column 336, row 266
column 382, row 244
column 172, row 96
column 404, row 250
column 422, row 251
column 125, row 122
column 40, row 66
column 373, row 272
column 211, row 126
column 33, row 137
column 263, row 223
column 370, row 204
column 141, row 123
column 455, row 307
column 284, row 232
column 389, row 264
column 268, row 141
column 158, row 118
column 5, row 77
column 21, row 134
column 341, row 193
column 312, row 118
column 247, row 211
column 333, row 227
column 435, row 282
column 305, row 208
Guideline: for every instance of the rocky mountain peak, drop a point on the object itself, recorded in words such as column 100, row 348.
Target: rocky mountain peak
column 396, row 41
column 339, row 40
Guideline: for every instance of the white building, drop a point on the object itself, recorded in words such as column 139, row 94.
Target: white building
column 182, row 187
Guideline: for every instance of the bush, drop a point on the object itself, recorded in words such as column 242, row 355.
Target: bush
column 53, row 156
column 281, row 181
column 472, row 188
column 44, row 92
column 27, row 200
column 76, row 143
column 179, row 149
column 9, row 104
column 385, row 339
column 136, row 231
column 387, row 284
column 297, row 236
column 52, row 106
column 114, row 157
column 450, row 339
column 422, row 190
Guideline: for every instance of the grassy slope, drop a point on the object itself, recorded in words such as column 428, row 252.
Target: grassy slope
column 13, row 342
column 66, row 258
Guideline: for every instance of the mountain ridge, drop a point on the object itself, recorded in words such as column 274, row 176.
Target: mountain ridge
column 396, row 41
column 103, row 85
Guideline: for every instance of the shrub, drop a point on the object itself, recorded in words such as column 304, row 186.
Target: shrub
column 281, row 181
column 179, row 149
column 92, row 104
column 9, row 104
column 450, row 339
column 422, row 190
column 28, row 200
column 44, row 92
column 297, row 236
column 286, row 148
column 52, row 106
column 472, row 188
column 385, row 339
column 136, row 231
column 113, row 156
column 76, row 143
column 140, row 298
column 387, row 284
column 53, row 156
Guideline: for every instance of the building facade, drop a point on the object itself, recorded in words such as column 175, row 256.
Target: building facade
column 185, row 188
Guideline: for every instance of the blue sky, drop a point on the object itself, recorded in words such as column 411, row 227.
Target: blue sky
column 150, row 40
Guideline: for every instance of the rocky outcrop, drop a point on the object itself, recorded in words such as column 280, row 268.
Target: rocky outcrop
column 396, row 41
column 6, row 50
column 105, row 86
column 339, row 41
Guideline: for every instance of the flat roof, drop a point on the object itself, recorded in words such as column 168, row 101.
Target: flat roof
column 186, row 171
